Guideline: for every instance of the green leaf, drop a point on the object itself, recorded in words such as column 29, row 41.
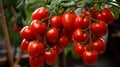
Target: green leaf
column 116, row 11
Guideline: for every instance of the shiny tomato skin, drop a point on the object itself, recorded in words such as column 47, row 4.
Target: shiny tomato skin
column 68, row 20
column 63, row 42
column 85, row 22
column 99, row 45
column 90, row 57
column 78, row 35
column 85, row 36
column 56, row 21
column 52, row 35
column 50, row 57
column 40, row 13
column 37, row 61
column 100, row 28
column 25, row 33
column 24, row 45
column 108, row 16
column 35, row 48
column 35, row 27
column 77, row 22
column 78, row 48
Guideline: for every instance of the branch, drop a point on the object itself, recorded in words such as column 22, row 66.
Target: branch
column 8, row 44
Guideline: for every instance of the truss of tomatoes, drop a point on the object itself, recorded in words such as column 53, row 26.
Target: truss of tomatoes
column 44, row 39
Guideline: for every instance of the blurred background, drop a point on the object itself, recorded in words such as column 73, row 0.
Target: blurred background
column 18, row 14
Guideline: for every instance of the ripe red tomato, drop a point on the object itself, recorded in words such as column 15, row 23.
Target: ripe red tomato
column 24, row 45
column 35, row 48
column 99, row 45
column 94, row 12
column 52, row 35
column 68, row 20
column 99, row 28
column 57, row 49
column 50, row 56
column 85, row 36
column 107, row 15
column 16, row 28
column 90, row 57
column 36, row 27
column 78, row 48
column 63, row 42
column 56, row 21
column 44, row 28
column 78, row 35
column 77, row 22
column 85, row 22
column 26, row 33
column 40, row 13
column 37, row 61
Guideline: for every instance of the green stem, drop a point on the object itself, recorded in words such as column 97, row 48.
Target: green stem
column 90, row 30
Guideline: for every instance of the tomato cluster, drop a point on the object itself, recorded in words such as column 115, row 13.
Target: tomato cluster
column 47, row 35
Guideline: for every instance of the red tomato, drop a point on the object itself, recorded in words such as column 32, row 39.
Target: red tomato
column 36, row 27
column 107, row 15
column 77, row 22
column 35, row 48
column 99, row 45
column 63, row 42
column 57, row 49
column 50, row 57
column 78, row 35
column 24, row 45
column 16, row 28
column 52, row 35
column 78, row 48
column 37, row 61
column 26, row 33
column 94, row 12
column 56, row 21
column 85, row 36
column 68, row 20
column 44, row 28
column 90, row 57
column 85, row 22
column 99, row 28
column 40, row 13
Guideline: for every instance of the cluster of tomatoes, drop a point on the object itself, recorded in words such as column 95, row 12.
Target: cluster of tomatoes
column 47, row 35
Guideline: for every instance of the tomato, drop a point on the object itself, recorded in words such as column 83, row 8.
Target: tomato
column 35, row 48
column 40, row 13
column 85, row 12
column 50, row 56
column 90, row 57
column 37, row 61
column 63, row 42
column 36, row 27
column 24, row 45
column 78, row 35
column 85, row 22
column 55, row 21
column 108, row 16
column 52, row 35
column 16, row 28
column 44, row 28
column 77, row 22
column 78, row 48
column 99, row 28
column 57, row 49
column 26, row 33
column 68, row 20
column 94, row 12
column 99, row 45
column 85, row 36
column 81, row 22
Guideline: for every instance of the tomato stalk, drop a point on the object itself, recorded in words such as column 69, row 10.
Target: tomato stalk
column 90, row 29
